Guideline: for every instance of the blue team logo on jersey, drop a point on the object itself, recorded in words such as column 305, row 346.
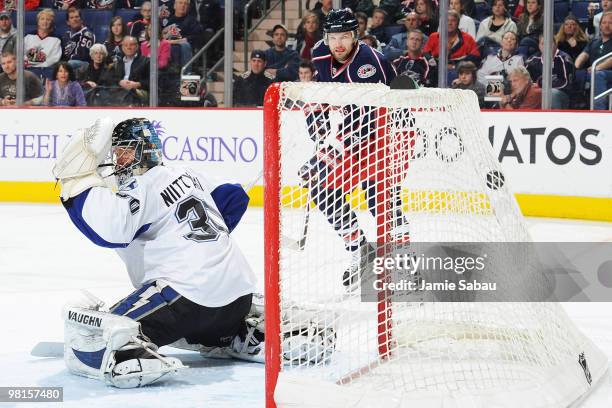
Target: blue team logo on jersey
column 366, row 71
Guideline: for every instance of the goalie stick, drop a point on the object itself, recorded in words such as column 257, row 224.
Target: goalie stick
column 48, row 349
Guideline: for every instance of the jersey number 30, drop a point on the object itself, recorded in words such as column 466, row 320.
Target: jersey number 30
column 203, row 227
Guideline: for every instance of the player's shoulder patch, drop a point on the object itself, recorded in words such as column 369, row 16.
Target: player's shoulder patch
column 366, row 71
column 246, row 74
column 133, row 202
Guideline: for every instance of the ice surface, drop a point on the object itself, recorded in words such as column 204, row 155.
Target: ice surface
column 44, row 261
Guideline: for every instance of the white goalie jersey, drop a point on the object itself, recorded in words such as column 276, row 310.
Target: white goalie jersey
column 171, row 224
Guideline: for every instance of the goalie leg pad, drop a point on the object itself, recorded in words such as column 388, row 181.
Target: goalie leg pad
column 308, row 335
column 111, row 348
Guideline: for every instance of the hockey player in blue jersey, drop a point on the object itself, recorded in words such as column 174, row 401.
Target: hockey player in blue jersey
column 171, row 227
column 340, row 57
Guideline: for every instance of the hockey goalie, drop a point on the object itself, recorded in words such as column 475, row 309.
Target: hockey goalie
column 171, row 227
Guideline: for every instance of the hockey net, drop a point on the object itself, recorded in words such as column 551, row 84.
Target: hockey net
column 420, row 156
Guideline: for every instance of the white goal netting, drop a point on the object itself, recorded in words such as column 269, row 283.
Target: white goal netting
column 397, row 166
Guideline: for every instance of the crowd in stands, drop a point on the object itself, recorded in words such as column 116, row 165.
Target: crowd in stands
column 96, row 52
column 487, row 40
column 107, row 62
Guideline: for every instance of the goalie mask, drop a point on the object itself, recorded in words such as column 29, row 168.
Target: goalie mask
column 136, row 148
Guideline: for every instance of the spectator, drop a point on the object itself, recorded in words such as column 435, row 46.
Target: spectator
column 7, row 33
column 504, row 60
column 524, row 94
column 133, row 73
column 466, row 79
column 64, row 90
column 466, row 23
column 530, row 26
column 306, row 71
column 428, row 21
column 595, row 49
column 492, row 29
column 562, row 73
column 308, row 34
column 8, row 5
column 378, row 25
column 250, row 87
column 117, row 31
column 322, row 12
column 8, row 82
column 595, row 19
column 138, row 25
column 570, row 38
column 77, row 41
column 362, row 24
column 371, row 41
column 397, row 45
column 414, row 64
column 98, row 72
column 461, row 46
column 281, row 62
column 183, row 32
column 163, row 49
column 42, row 49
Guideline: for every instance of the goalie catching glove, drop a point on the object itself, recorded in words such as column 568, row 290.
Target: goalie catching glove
column 77, row 165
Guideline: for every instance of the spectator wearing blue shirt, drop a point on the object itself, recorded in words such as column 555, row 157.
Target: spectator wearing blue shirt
column 397, row 46
column 595, row 49
column 281, row 62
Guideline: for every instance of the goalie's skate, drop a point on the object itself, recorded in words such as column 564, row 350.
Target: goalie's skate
column 360, row 259
column 137, row 372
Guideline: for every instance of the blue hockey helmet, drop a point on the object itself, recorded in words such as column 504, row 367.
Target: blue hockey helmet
column 340, row 21
column 139, row 135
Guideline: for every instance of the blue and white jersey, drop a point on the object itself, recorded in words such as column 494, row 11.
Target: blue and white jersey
column 365, row 65
column 172, row 224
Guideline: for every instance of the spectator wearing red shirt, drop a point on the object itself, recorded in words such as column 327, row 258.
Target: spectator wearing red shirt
column 461, row 46
column 163, row 49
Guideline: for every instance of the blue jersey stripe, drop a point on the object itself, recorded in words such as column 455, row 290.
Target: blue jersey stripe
column 74, row 206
